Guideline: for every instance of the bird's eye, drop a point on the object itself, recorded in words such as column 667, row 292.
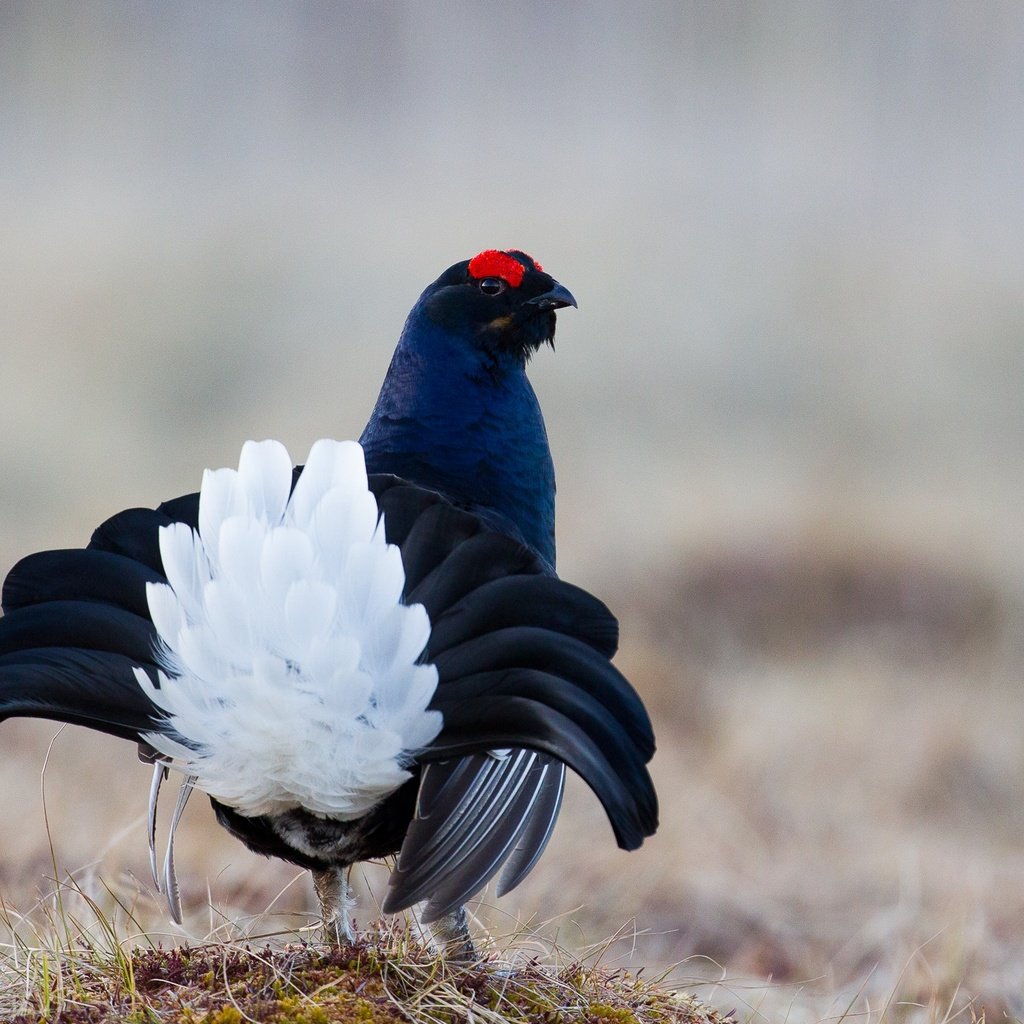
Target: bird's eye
column 492, row 285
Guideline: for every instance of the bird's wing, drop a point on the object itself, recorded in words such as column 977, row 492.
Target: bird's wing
column 472, row 814
column 526, row 687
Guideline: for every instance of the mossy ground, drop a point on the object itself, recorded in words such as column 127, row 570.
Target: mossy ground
column 387, row 980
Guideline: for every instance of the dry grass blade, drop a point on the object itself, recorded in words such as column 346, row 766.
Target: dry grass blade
column 54, row 967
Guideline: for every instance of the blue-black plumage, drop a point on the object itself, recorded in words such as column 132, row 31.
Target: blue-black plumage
column 456, row 411
column 342, row 691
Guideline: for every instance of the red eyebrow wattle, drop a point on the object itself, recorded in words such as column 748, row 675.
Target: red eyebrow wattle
column 496, row 263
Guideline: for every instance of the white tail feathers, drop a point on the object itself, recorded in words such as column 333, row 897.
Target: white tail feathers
column 290, row 675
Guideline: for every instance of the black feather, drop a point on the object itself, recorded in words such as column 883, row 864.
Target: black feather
column 526, row 601
column 556, row 655
column 401, row 504
column 470, row 815
column 80, row 575
column 477, row 862
column 92, row 688
column 84, row 624
column 494, row 723
column 480, row 559
column 537, row 830
column 134, row 533
column 547, row 692
column 182, row 510
column 437, row 531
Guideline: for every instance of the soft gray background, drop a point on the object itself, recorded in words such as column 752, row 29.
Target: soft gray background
column 794, row 230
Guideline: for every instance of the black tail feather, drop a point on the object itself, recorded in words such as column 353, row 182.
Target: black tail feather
column 79, row 575
column 401, row 504
column 459, row 703
column 571, row 662
column 92, row 688
column 432, row 537
column 84, row 624
column 493, row 723
column 481, row 559
column 542, row 601
column 184, row 509
column 134, row 533
column 75, row 628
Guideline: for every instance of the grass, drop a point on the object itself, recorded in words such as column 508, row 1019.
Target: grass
column 77, row 958
column 59, row 967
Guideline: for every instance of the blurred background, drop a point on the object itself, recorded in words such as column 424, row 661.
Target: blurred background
column 787, row 422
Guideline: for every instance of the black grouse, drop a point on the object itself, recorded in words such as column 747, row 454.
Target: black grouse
column 368, row 655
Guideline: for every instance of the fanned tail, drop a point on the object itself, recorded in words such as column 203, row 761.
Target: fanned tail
column 525, row 684
column 75, row 628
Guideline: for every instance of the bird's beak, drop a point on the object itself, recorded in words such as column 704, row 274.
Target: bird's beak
column 558, row 297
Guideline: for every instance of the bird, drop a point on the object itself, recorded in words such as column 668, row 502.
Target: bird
column 367, row 655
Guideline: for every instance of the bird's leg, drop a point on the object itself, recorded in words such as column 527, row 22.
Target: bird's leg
column 452, row 934
column 336, row 901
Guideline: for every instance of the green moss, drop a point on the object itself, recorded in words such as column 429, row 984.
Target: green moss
column 611, row 1014
column 383, row 982
column 225, row 1015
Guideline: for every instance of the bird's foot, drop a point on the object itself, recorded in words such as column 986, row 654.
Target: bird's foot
column 451, row 934
column 336, row 932
column 336, row 902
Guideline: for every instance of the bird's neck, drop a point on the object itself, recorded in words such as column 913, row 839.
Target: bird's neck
column 450, row 419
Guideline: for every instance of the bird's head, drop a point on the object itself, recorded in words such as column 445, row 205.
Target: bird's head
column 502, row 300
